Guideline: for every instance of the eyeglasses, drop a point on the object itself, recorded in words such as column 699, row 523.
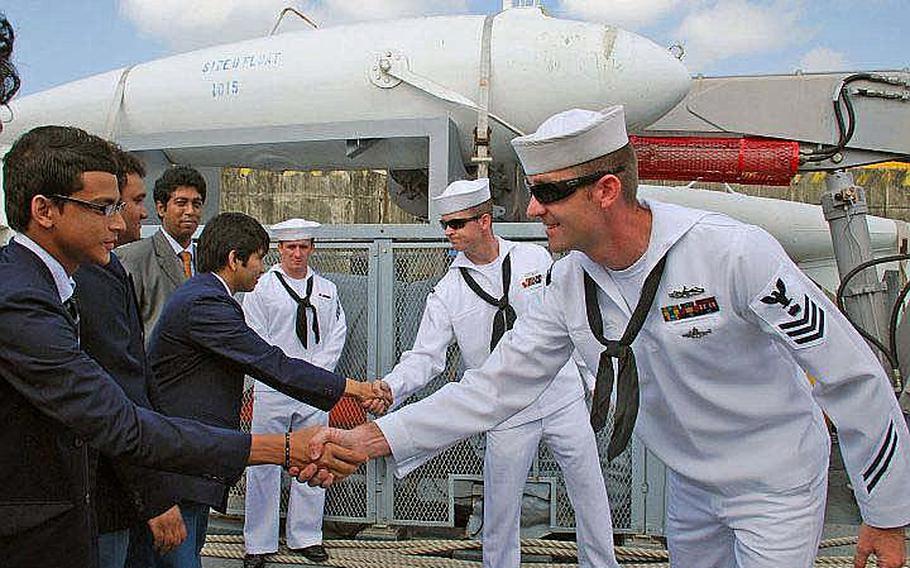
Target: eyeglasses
column 108, row 210
column 550, row 192
column 458, row 223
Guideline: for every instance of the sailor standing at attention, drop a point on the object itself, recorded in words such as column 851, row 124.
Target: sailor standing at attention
column 490, row 283
column 713, row 329
column 296, row 309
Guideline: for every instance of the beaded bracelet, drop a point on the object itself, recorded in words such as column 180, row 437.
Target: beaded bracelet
column 287, row 450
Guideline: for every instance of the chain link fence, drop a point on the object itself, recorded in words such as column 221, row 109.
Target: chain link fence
column 425, row 497
column 348, row 268
column 366, row 272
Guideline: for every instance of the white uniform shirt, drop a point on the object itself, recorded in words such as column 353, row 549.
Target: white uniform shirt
column 722, row 359
column 455, row 313
column 272, row 313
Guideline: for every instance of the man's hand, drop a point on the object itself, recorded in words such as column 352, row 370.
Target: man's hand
column 382, row 398
column 318, row 459
column 364, row 442
column 168, row 530
column 886, row 544
column 374, row 397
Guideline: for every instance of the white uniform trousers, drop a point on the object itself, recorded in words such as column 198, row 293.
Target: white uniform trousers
column 708, row 529
column 275, row 413
column 509, row 455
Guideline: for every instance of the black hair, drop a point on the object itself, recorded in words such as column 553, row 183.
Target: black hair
column 130, row 163
column 9, row 77
column 50, row 160
column 177, row 176
column 227, row 232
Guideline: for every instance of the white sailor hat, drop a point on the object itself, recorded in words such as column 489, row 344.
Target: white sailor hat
column 460, row 195
column 570, row 138
column 294, row 230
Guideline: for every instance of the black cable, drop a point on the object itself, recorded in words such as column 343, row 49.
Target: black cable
column 845, row 128
column 848, row 102
column 895, row 312
column 839, row 297
column 875, row 342
column 862, row 266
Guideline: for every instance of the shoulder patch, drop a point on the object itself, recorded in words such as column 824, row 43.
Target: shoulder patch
column 792, row 310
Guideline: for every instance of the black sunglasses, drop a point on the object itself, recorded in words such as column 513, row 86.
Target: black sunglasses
column 458, row 223
column 553, row 191
column 107, row 210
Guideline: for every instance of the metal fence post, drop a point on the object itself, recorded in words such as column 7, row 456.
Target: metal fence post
column 383, row 270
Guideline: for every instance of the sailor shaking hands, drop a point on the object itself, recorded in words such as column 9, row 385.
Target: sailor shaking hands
column 703, row 331
column 490, row 284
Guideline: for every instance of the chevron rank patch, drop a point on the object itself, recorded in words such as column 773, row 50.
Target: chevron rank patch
column 794, row 314
column 882, row 460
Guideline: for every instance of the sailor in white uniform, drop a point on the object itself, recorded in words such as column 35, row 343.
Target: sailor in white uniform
column 298, row 310
column 712, row 329
column 490, row 283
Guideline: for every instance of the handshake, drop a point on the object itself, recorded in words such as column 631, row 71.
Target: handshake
column 374, row 397
column 321, row 456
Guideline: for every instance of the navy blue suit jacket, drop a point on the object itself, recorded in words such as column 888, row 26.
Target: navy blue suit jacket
column 55, row 402
column 200, row 350
column 112, row 334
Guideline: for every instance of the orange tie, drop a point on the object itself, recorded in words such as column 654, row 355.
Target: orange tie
column 187, row 259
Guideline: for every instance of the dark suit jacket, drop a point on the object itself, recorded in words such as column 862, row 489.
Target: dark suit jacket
column 55, row 402
column 111, row 333
column 201, row 349
column 156, row 273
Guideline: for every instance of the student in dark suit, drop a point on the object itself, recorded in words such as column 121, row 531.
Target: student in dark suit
column 201, row 349
column 58, row 407
column 111, row 333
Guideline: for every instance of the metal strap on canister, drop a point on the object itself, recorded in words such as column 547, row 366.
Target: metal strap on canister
column 482, row 155
column 113, row 114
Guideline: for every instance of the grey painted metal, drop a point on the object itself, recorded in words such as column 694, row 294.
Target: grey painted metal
column 845, row 209
column 418, row 232
column 648, row 492
column 423, row 232
column 654, row 495
column 385, row 310
column 377, row 469
column 401, row 143
column 640, row 487
column 431, row 143
column 795, row 107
